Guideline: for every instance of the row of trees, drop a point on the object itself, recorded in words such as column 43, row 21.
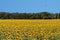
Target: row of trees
column 40, row 15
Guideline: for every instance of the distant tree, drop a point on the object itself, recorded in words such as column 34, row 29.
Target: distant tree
column 45, row 15
column 40, row 15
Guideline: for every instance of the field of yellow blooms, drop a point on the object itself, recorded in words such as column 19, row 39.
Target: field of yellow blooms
column 24, row 29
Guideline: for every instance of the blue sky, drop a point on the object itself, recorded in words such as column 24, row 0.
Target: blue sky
column 29, row 5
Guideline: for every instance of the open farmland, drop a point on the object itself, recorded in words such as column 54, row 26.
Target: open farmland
column 30, row 29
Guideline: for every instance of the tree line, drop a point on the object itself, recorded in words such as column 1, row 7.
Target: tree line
column 40, row 15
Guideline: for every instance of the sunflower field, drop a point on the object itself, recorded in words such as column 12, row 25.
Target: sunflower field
column 24, row 29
